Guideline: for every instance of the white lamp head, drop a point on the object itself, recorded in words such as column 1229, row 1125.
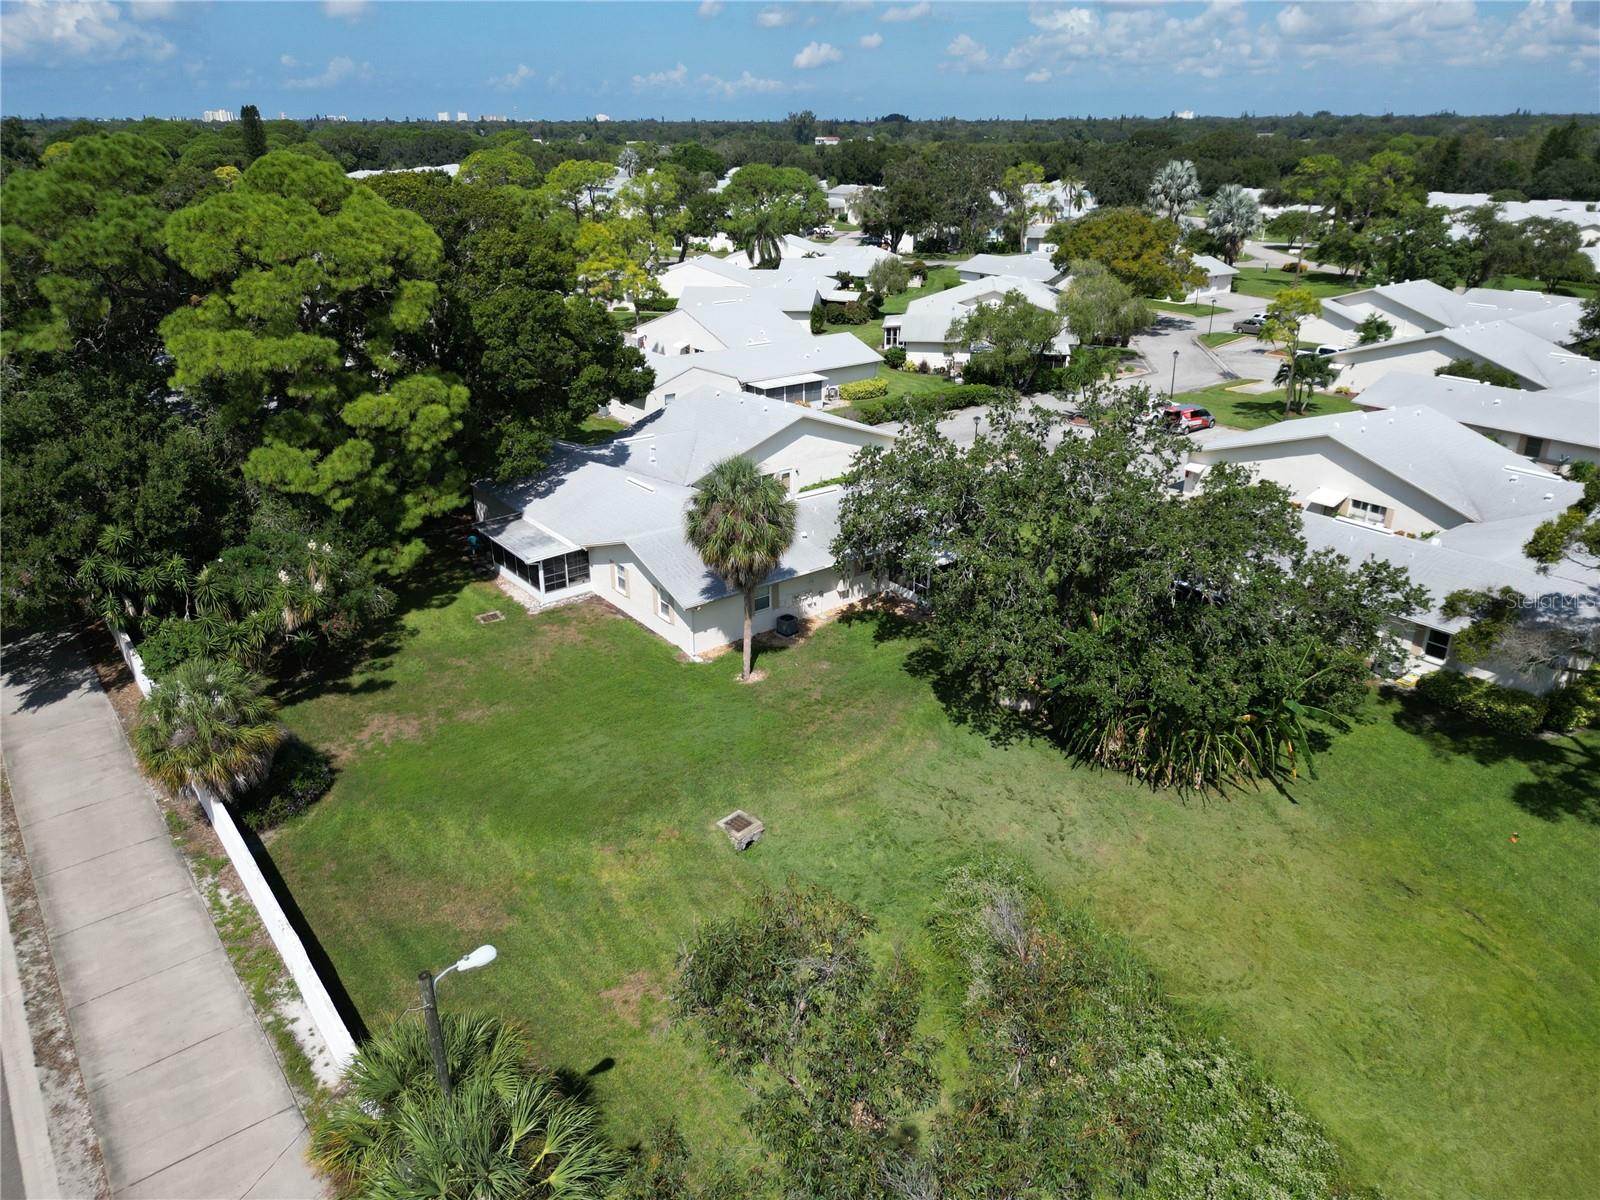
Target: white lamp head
column 481, row 957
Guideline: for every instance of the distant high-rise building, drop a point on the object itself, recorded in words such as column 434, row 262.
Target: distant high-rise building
column 217, row 114
column 1186, row 115
column 601, row 117
column 461, row 116
column 493, row 117
column 444, row 116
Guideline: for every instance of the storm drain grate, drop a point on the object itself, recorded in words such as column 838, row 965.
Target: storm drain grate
column 489, row 618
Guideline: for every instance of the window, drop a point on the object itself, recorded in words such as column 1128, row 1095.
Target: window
column 664, row 606
column 787, row 477
column 1436, row 647
column 1373, row 514
column 669, row 398
column 891, row 335
column 766, row 597
column 566, row 570
column 621, row 582
column 1533, row 447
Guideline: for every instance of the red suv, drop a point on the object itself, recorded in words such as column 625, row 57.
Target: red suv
column 1186, row 418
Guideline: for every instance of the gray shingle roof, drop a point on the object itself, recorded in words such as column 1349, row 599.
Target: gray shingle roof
column 1463, row 470
column 1571, row 416
column 1036, row 267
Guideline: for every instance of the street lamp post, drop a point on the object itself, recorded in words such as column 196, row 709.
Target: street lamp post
column 427, row 984
column 1173, row 386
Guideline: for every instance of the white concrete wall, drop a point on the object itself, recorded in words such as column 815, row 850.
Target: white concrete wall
column 813, row 451
column 1306, row 466
column 640, row 600
column 1554, row 453
column 1503, row 671
column 687, row 381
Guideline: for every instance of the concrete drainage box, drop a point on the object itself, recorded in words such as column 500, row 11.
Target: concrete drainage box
column 742, row 829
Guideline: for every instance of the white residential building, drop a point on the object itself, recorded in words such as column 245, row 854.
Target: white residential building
column 1537, row 363
column 608, row 520
column 1553, row 427
column 213, row 115
column 1410, row 486
column 1036, row 267
column 1219, row 278
column 1421, row 306
column 923, row 329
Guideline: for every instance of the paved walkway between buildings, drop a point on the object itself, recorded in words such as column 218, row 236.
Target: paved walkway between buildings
column 187, row 1096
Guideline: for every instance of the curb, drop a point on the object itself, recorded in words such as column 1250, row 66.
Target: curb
column 29, row 1120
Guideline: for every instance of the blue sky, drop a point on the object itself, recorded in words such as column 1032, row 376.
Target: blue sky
column 760, row 60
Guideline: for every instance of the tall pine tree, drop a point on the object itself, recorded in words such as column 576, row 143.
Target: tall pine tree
column 255, row 134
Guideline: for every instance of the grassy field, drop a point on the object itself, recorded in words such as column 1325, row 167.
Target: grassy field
column 1242, row 410
column 1583, row 291
column 1267, row 282
column 549, row 784
column 1220, row 338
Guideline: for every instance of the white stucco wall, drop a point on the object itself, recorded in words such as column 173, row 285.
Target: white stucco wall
column 722, row 621
column 640, row 600
column 1306, row 466
column 687, row 381
column 1553, row 454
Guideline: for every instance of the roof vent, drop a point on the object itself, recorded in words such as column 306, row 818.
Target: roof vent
column 1549, row 496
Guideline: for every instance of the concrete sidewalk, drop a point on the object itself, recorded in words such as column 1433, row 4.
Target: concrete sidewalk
column 187, row 1097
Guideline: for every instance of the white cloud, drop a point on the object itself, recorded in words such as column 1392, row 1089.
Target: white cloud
column 817, row 54
column 967, row 52
column 775, row 17
column 735, row 87
column 512, row 80
column 340, row 68
column 153, row 10
column 710, row 8
column 80, row 32
column 1042, row 75
column 289, row 61
column 348, row 10
column 676, row 77
column 1077, row 22
column 870, row 41
column 909, row 12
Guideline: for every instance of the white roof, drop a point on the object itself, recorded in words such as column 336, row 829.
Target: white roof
column 447, row 168
column 1571, row 416
column 1213, row 266
column 634, row 490
column 783, row 356
column 1537, row 361
column 738, row 316
column 927, row 319
column 1036, row 267
column 1448, row 562
column 1465, row 471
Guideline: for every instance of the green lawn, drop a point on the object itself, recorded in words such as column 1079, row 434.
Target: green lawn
column 596, row 429
column 1220, row 338
column 549, row 784
column 871, row 333
column 1267, row 282
column 1188, row 310
column 1583, row 291
column 1241, row 410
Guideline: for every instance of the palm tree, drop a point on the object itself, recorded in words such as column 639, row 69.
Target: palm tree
column 1074, row 192
column 1175, row 187
column 505, row 1132
column 741, row 522
column 761, row 236
column 208, row 723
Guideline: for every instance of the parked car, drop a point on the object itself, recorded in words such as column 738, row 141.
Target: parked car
column 1250, row 325
column 1324, row 351
column 1186, row 418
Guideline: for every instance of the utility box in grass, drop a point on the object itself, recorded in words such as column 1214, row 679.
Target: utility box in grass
column 742, row 829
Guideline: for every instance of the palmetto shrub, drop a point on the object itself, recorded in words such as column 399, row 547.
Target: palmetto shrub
column 207, row 723
column 507, row 1131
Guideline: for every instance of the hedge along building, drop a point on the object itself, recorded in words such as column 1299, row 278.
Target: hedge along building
column 608, row 520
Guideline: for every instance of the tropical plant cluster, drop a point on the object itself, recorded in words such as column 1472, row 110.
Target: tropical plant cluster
column 1078, row 1076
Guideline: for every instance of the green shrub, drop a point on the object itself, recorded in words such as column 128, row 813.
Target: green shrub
column 1480, row 700
column 1574, row 705
column 174, row 642
column 300, row 776
column 863, row 389
column 819, row 319
column 934, row 404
